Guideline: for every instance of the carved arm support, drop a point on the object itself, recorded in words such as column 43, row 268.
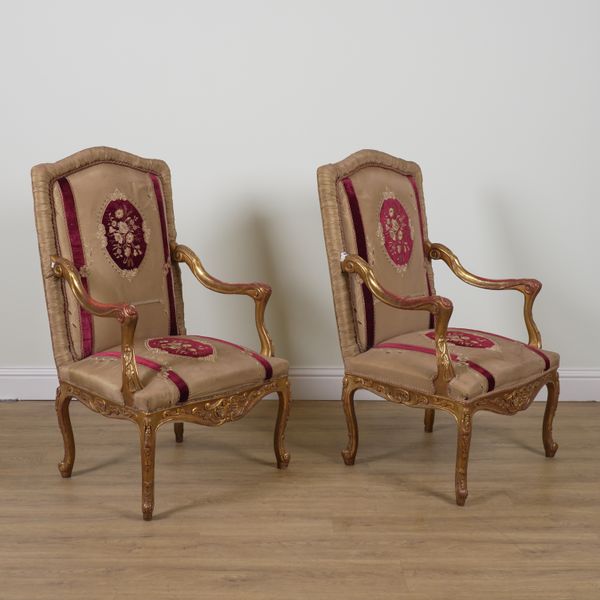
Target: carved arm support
column 259, row 292
column 126, row 314
column 439, row 306
column 530, row 288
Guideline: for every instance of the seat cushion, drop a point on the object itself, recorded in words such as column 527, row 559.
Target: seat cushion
column 482, row 361
column 175, row 369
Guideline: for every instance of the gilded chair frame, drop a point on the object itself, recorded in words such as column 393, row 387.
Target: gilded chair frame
column 506, row 401
column 211, row 411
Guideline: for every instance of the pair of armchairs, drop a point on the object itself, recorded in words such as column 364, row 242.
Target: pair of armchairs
column 110, row 264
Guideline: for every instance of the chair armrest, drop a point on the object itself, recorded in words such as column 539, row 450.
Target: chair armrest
column 126, row 314
column 259, row 292
column 530, row 288
column 437, row 305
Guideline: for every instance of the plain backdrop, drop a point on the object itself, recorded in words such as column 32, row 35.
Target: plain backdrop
column 499, row 103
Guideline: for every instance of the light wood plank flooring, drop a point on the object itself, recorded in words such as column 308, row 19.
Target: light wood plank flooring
column 229, row 525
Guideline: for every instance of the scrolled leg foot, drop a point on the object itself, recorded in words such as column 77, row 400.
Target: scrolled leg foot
column 281, row 454
column 550, row 446
column 349, row 453
column 62, row 403
column 148, row 448
column 462, row 456
column 178, row 428
column 429, row 419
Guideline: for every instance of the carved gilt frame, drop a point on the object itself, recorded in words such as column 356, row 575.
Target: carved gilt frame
column 507, row 401
column 58, row 272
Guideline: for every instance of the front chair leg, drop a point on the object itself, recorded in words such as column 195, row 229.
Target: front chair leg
column 463, row 445
column 429, row 419
column 349, row 453
column 178, row 427
column 64, row 422
column 148, row 447
column 550, row 446
column 281, row 454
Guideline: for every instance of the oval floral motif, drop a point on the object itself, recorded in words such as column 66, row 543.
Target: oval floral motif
column 462, row 338
column 180, row 346
column 395, row 231
column 124, row 234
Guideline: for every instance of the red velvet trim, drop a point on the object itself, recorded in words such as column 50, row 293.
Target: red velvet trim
column 397, row 243
column 258, row 357
column 85, row 318
column 420, row 212
column 460, row 337
column 491, row 382
column 539, row 352
column 127, row 251
column 167, row 252
column 180, row 346
column 361, row 246
column 184, row 391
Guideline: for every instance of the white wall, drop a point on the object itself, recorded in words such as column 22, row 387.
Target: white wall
column 497, row 101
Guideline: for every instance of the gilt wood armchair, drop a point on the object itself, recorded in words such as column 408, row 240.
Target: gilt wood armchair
column 112, row 282
column 393, row 328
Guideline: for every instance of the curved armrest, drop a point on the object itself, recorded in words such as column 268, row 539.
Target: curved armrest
column 260, row 292
column 438, row 305
column 126, row 314
column 530, row 288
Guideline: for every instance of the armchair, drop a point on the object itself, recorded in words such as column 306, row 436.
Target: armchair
column 113, row 291
column 393, row 329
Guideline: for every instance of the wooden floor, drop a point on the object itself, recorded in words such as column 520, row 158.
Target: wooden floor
column 228, row 524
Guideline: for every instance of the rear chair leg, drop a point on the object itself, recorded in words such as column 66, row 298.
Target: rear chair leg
column 550, row 446
column 148, row 447
column 462, row 455
column 281, row 454
column 64, row 422
column 349, row 453
column 429, row 419
column 178, row 427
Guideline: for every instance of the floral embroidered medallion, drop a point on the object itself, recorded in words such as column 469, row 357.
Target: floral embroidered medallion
column 180, row 346
column 123, row 234
column 395, row 232
column 457, row 337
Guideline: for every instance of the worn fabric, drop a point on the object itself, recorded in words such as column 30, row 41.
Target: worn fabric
column 372, row 205
column 111, row 214
column 483, row 362
column 175, row 369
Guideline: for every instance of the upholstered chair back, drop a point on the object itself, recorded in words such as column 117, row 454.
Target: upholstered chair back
column 111, row 214
column 372, row 205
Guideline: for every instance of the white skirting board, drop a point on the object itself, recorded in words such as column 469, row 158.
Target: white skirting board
column 308, row 383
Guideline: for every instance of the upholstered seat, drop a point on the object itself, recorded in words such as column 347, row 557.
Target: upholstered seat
column 176, row 369
column 110, row 266
column 392, row 325
column 483, row 362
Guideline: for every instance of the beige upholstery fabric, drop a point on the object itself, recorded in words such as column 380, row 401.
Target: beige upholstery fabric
column 227, row 368
column 483, row 362
column 376, row 179
column 112, row 213
column 93, row 190
column 96, row 177
column 372, row 205
column 372, row 187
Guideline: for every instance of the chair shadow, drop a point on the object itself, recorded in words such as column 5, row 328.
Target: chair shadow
column 96, row 467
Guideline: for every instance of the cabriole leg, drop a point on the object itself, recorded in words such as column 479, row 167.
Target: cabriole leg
column 281, row 454
column 349, row 453
column 550, row 446
column 462, row 455
column 178, row 427
column 429, row 419
column 64, row 422
column 148, row 447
